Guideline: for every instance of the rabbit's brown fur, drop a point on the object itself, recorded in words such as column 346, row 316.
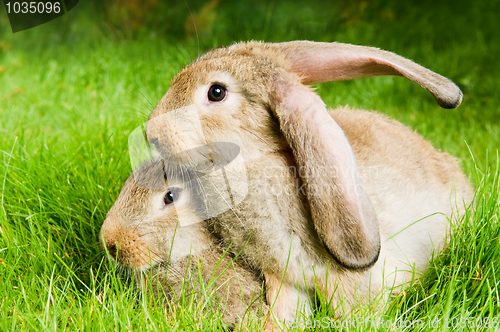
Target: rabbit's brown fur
column 344, row 201
column 170, row 260
column 231, row 287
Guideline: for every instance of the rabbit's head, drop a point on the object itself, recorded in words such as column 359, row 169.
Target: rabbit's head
column 156, row 225
column 155, row 219
column 255, row 95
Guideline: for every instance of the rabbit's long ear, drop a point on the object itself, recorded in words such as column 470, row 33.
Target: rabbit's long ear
column 322, row 62
column 342, row 213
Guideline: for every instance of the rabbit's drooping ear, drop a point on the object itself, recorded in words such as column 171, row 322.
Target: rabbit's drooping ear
column 323, row 62
column 342, row 213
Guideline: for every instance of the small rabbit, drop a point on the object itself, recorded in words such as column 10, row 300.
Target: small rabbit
column 343, row 202
column 144, row 231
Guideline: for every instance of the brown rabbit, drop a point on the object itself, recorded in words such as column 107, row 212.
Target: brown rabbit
column 345, row 202
column 144, row 232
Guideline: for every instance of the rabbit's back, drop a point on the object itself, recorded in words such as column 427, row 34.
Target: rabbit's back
column 414, row 188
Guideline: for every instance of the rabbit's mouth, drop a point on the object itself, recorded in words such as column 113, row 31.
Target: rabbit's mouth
column 127, row 248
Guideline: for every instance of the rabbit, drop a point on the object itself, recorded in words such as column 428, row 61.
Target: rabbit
column 342, row 202
column 144, row 232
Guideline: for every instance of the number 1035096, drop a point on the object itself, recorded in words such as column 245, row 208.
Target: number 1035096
column 33, row 7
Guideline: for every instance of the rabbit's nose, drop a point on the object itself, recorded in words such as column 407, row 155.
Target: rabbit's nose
column 109, row 237
column 108, row 245
column 112, row 250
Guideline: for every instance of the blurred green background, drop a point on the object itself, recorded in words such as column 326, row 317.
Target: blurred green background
column 72, row 90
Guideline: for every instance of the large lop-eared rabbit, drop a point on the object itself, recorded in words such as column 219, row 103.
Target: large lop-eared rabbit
column 340, row 201
column 147, row 231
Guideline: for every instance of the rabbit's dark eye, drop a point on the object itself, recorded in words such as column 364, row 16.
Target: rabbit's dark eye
column 217, row 92
column 172, row 195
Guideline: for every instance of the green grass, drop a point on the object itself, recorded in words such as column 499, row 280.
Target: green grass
column 72, row 90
